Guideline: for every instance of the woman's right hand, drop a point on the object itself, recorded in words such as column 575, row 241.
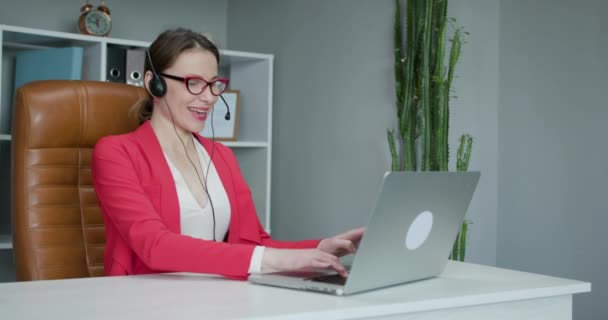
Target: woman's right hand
column 300, row 259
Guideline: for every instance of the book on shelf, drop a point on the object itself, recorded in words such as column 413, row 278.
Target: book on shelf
column 48, row 64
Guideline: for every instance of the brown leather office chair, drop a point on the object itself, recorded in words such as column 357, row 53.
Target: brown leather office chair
column 57, row 224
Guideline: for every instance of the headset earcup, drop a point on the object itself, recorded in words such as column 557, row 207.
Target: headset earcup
column 157, row 86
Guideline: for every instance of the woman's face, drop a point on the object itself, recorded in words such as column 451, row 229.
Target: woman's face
column 186, row 110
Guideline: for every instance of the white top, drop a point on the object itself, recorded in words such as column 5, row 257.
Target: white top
column 463, row 286
column 197, row 222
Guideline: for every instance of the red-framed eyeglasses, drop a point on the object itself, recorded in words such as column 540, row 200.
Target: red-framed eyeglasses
column 197, row 85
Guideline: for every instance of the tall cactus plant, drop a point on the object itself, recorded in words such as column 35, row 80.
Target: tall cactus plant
column 422, row 86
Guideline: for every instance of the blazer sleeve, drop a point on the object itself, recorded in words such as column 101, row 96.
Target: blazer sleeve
column 123, row 200
column 247, row 207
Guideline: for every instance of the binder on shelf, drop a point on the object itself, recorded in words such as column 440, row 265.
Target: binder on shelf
column 115, row 65
column 48, row 64
column 135, row 67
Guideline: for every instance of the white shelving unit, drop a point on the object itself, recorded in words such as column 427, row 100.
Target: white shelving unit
column 250, row 73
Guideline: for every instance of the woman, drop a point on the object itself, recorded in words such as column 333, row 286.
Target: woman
column 173, row 201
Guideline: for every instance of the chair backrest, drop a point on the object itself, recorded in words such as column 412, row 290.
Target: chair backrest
column 58, row 229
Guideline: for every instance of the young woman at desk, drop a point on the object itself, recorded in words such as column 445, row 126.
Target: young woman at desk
column 173, row 201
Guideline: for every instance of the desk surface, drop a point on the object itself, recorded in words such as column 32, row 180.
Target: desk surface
column 195, row 296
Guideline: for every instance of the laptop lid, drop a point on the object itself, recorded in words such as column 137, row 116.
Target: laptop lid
column 409, row 237
column 412, row 229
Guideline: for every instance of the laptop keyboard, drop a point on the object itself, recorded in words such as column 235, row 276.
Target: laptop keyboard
column 315, row 276
column 332, row 278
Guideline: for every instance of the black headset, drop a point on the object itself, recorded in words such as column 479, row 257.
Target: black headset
column 158, row 86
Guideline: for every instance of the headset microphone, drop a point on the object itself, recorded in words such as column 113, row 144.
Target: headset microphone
column 227, row 116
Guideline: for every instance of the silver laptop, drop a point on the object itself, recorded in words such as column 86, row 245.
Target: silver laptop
column 410, row 236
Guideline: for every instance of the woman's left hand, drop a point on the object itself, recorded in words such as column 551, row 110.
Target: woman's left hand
column 342, row 244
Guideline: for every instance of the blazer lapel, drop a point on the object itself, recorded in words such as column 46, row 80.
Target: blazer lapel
column 159, row 172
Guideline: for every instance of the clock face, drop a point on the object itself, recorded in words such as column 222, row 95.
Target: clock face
column 97, row 23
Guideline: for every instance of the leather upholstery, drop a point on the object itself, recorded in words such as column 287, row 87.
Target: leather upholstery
column 57, row 225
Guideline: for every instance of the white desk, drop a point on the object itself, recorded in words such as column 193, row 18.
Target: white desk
column 463, row 291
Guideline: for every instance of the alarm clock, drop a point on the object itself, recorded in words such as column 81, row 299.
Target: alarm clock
column 94, row 21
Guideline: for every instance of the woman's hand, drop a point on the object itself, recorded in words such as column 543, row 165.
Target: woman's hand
column 342, row 244
column 300, row 259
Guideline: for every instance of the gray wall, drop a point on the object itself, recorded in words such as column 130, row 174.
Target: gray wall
column 552, row 143
column 334, row 100
column 133, row 20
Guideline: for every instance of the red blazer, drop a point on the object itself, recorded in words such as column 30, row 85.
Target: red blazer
column 138, row 199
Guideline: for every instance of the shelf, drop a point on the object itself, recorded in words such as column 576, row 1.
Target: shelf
column 127, row 43
column 6, row 241
column 15, row 36
column 230, row 57
column 245, row 144
column 19, row 36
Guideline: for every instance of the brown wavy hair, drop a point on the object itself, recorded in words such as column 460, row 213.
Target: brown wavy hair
column 163, row 53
